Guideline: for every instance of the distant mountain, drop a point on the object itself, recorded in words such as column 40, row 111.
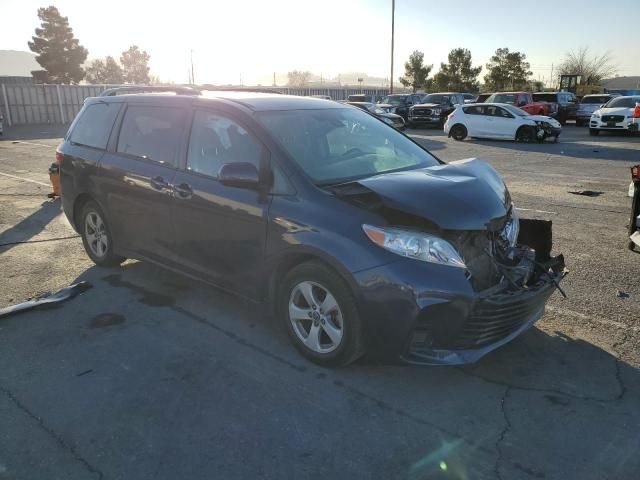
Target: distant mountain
column 17, row 64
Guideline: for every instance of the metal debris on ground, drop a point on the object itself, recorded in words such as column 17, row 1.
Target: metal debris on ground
column 586, row 193
column 621, row 294
column 47, row 299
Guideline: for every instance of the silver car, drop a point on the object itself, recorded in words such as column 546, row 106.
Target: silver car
column 588, row 105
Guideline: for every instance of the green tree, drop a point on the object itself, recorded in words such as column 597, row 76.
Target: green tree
column 107, row 71
column 507, row 70
column 135, row 64
column 58, row 51
column 458, row 75
column 416, row 73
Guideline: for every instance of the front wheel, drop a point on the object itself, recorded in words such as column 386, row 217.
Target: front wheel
column 96, row 236
column 458, row 132
column 320, row 315
column 593, row 132
column 525, row 135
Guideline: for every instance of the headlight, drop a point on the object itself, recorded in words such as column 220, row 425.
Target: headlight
column 416, row 245
column 436, row 111
column 512, row 228
column 596, row 114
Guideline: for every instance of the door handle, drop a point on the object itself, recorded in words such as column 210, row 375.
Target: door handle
column 159, row 183
column 183, row 191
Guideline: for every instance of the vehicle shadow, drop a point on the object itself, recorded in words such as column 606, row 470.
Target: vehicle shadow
column 30, row 226
column 523, row 390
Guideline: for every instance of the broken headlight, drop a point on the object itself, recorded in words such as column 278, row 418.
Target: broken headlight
column 512, row 228
column 416, row 245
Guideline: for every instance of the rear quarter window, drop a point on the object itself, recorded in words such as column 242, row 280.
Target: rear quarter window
column 94, row 125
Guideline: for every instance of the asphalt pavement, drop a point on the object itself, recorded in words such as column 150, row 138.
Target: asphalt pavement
column 150, row 375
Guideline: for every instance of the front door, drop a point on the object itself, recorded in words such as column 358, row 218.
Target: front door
column 220, row 230
column 137, row 176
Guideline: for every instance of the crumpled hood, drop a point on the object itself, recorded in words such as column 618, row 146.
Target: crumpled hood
column 544, row 118
column 462, row 195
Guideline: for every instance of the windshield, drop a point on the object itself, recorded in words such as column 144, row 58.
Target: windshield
column 432, row 98
column 597, row 99
column 623, row 102
column 339, row 145
column 502, row 98
column 395, row 100
column 516, row 111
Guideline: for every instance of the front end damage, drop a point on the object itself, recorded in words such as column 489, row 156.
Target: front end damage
column 511, row 280
column 439, row 315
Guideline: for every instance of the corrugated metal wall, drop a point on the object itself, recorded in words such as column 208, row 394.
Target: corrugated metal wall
column 34, row 104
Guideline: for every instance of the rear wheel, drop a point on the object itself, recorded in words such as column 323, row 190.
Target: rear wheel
column 458, row 132
column 525, row 135
column 320, row 315
column 594, row 131
column 96, row 236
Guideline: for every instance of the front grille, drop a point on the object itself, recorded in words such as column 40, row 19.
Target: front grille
column 613, row 118
column 422, row 112
column 497, row 316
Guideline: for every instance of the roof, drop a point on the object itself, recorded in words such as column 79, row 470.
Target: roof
column 255, row 101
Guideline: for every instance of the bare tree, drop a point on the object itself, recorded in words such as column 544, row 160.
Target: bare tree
column 592, row 67
column 298, row 78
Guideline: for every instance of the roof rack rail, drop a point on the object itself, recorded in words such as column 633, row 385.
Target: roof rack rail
column 178, row 90
column 209, row 87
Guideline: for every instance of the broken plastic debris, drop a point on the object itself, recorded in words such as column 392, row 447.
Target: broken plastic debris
column 621, row 294
column 586, row 193
column 48, row 298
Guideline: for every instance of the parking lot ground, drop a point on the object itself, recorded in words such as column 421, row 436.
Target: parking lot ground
column 153, row 375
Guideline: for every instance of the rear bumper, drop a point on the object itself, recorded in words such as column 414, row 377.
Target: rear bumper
column 429, row 315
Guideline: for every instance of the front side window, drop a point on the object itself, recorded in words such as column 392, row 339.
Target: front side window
column 152, row 133
column 338, row 145
column 216, row 140
column 94, row 125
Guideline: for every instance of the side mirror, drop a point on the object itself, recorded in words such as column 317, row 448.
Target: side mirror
column 239, row 175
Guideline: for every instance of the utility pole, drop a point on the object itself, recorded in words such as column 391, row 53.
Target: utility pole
column 193, row 78
column 274, row 79
column 552, row 83
column 393, row 15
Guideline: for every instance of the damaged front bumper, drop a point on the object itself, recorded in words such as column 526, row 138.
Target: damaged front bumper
column 495, row 318
column 429, row 314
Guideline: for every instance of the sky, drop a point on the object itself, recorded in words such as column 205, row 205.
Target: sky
column 248, row 40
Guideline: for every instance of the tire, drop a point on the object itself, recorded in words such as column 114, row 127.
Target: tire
column 96, row 236
column 338, row 333
column 594, row 132
column 458, row 132
column 525, row 135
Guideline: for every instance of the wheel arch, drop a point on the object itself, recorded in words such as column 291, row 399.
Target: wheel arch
column 286, row 262
column 78, row 204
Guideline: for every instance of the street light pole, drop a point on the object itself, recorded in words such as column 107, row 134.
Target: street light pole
column 193, row 79
column 393, row 15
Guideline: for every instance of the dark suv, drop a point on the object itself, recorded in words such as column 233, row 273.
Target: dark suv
column 567, row 104
column 399, row 103
column 359, row 238
column 434, row 109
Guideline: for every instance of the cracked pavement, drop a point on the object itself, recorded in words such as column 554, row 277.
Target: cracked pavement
column 153, row 375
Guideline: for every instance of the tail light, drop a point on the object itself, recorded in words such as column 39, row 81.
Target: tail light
column 59, row 157
column 635, row 173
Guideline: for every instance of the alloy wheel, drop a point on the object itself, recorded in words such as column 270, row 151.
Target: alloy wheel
column 316, row 317
column 96, row 235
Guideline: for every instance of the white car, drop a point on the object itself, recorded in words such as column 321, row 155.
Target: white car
column 616, row 114
column 500, row 121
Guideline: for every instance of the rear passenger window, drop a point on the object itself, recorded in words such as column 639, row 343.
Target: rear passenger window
column 94, row 125
column 477, row 110
column 152, row 133
column 216, row 140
